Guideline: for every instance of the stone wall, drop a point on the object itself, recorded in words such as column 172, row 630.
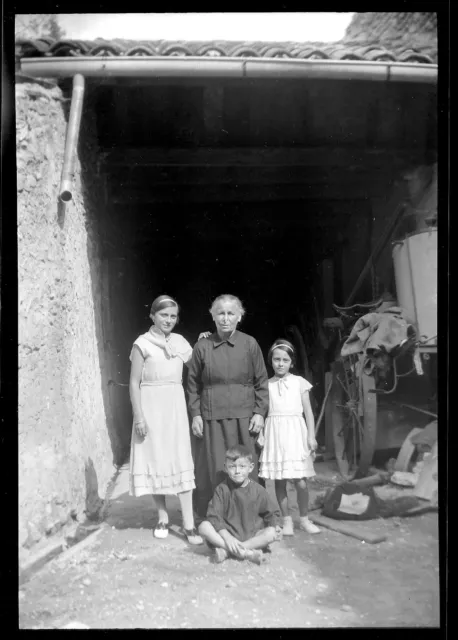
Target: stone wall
column 67, row 447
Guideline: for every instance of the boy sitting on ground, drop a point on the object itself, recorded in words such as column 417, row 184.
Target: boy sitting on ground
column 242, row 519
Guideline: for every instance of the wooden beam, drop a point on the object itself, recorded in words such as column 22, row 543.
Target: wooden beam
column 144, row 231
column 229, row 193
column 172, row 176
column 319, row 213
column 259, row 156
column 247, row 222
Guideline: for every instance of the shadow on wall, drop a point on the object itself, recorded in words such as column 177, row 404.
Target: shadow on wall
column 60, row 213
column 115, row 399
column 117, row 421
column 94, row 503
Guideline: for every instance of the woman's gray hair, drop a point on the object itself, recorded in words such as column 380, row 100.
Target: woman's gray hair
column 227, row 297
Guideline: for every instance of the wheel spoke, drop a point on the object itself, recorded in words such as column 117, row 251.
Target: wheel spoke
column 350, row 434
column 343, row 434
column 358, row 420
column 354, row 447
column 348, row 419
column 361, row 429
column 347, row 383
column 343, row 387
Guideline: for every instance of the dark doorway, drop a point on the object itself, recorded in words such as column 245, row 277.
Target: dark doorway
column 246, row 188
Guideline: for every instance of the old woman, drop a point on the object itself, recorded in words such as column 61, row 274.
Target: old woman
column 228, row 396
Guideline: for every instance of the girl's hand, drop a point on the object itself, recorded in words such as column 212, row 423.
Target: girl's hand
column 197, row 426
column 313, row 444
column 205, row 334
column 256, row 423
column 141, row 428
column 261, row 440
column 278, row 533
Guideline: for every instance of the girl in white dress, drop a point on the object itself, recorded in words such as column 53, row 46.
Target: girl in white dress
column 289, row 440
column 160, row 456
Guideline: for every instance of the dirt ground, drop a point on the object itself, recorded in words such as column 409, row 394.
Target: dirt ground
column 124, row 578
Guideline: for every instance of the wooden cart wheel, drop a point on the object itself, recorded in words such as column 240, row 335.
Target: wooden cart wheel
column 354, row 418
column 370, row 426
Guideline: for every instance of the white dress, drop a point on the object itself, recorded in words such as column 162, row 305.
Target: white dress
column 286, row 453
column 161, row 463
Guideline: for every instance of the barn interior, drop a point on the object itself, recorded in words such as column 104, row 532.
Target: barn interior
column 274, row 190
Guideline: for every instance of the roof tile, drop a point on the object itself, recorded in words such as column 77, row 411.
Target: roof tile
column 354, row 49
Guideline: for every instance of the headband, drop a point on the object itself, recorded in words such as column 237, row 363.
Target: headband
column 280, row 346
column 167, row 300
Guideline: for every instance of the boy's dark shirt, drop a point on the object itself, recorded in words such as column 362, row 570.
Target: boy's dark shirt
column 242, row 510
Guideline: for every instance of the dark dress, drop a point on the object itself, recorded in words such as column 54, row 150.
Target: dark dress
column 227, row 384
column 243, row 511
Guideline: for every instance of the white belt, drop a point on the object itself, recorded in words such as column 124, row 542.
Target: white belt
column 158, row 383
column 277, row 414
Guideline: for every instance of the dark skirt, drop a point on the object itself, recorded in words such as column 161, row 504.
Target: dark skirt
column 210, row 455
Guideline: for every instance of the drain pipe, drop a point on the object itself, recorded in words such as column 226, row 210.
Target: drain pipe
column 73, row 129
column 202, row 67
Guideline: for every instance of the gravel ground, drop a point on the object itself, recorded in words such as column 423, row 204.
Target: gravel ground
column 128, row 579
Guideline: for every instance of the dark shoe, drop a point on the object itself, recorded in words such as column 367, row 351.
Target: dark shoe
column 193, row 536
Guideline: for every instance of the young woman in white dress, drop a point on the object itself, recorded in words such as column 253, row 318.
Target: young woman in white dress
column 161, row 462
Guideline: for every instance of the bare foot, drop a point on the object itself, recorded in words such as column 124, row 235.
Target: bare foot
column 255, row 555
column 220, row 555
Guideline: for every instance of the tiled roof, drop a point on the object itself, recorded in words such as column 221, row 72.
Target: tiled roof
column 371, row 50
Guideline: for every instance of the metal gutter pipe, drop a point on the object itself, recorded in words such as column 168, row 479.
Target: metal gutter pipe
column 342, row 70
column 71, row 141
column 140, row 67
column 201, row 67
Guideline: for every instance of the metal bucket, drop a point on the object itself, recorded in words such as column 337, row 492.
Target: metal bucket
column 415, row 272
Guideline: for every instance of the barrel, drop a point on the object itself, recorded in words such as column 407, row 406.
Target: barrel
column 415, row 272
